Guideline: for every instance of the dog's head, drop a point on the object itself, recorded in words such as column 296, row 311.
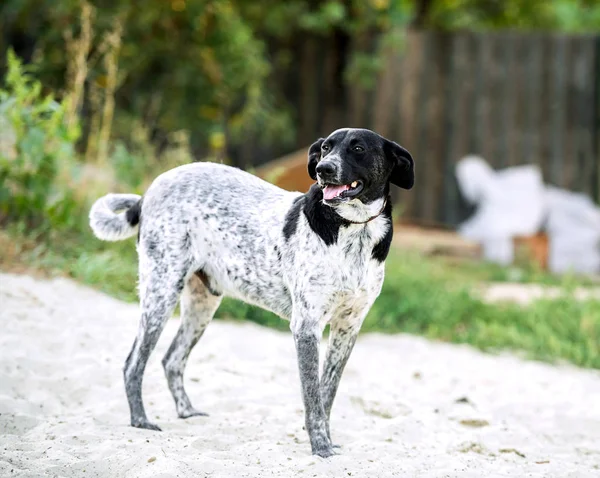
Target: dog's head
column 358, row 164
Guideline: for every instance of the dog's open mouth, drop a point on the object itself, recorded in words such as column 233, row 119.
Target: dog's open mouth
column 334, row 191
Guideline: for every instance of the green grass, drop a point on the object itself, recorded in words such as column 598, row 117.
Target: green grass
column 523, row 273
column 425, row 297
column 420, row 296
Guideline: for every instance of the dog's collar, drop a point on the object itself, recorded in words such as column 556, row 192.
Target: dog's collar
column 372, row 217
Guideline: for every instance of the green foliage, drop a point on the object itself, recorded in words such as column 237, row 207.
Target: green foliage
column 132, row 167
column 41, row 144
column 328, row 15
column 136, row 161
column 360, row 21
column 577, row 16
column 183, row 65
column 113, row 269
column 211, row 67
column 363, row 68
column 201, row 66
column 573, row 16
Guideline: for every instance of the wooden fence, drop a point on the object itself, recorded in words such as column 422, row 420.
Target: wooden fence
column 513, row 98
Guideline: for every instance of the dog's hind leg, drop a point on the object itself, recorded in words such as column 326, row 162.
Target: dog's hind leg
column 161, row 283
column 198, row 305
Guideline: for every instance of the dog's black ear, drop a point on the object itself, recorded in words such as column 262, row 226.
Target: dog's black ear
column 403, row 174
column 314, row 155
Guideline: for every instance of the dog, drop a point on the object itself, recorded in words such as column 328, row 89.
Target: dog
column 207, row 230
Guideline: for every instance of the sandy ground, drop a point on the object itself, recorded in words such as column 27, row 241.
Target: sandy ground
column 406, row 406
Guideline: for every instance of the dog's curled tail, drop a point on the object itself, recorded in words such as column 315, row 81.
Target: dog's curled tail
column 116, row 216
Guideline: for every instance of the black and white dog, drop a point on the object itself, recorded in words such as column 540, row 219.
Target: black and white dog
column 207, row 230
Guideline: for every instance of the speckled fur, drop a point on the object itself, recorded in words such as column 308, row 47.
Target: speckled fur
column 209, row 230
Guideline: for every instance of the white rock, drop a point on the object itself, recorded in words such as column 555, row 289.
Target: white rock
column 509, row 203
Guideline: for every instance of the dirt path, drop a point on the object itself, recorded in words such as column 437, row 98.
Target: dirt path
column 407, row 407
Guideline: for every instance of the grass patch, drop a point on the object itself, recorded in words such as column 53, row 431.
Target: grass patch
column 523, row 273
column 423, row 297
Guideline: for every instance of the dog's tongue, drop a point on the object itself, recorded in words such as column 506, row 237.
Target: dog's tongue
column 330, row 192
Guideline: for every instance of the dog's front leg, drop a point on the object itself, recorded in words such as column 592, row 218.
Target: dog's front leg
column 342, row 337
column 307, row 335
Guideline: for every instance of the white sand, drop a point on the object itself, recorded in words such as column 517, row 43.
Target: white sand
column 63, row 411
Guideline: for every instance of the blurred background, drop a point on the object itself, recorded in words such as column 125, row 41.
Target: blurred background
column 497, row 100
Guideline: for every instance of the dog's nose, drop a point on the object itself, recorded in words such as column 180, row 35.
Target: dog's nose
column 326, row 168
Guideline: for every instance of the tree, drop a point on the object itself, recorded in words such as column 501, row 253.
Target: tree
column 214, row 67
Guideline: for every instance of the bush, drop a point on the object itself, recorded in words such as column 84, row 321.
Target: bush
column 42, row 144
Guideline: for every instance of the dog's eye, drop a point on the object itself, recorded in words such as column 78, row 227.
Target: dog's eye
column 325, row 147
column 358, row 149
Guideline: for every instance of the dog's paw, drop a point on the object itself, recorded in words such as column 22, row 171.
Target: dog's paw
column 192, row 412
column 146, row 425
column 324, row 452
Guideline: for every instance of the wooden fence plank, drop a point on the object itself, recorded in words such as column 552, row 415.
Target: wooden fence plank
column 330, row 98
column 583, row 95
column 407, row 125
column 533, row 99
column 439, row 67
column 422, row 127
column 385, row 94
column 497, row 78
column 517, row 128
column 396, row 85
column 596, row 121
column 547, row 103
column 558, row 110
column 468, row 96
column 450, row 196
column 367, row 119
column 507, row 97
column 487, row 99
column 408, row 84
column 568, row 168
column 586, row 130
column 309, row 91
column 478, row 104
column 357, row 98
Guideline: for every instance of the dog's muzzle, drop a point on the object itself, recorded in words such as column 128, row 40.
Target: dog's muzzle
column 327, row 171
